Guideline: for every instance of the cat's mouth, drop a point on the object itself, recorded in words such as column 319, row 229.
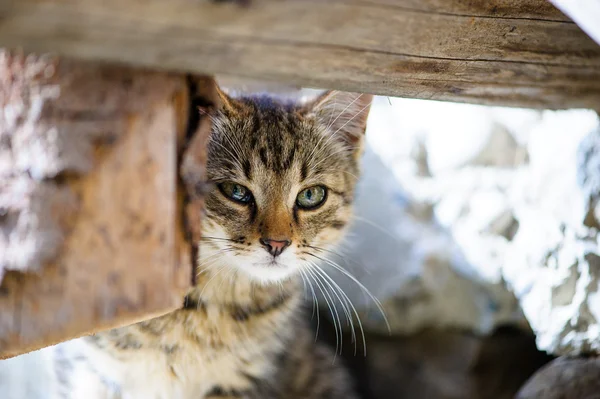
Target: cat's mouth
column 270, row 268
column 272, row 262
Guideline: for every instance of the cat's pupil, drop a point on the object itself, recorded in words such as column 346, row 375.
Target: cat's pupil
column 311, row 197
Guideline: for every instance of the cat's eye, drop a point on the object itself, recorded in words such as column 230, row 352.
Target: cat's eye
column 236, row 192
column 311, row 197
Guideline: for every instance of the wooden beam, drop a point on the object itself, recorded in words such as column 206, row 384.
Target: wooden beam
column 123, row 256
column 500, row 52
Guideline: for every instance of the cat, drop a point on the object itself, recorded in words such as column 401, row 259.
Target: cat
column 282, row 175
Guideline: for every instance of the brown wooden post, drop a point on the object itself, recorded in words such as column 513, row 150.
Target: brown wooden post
column 91, row 158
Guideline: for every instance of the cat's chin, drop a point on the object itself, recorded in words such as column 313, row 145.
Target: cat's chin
column 269, row 273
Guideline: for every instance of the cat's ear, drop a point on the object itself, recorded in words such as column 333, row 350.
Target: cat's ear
column 223, row 102
column 341, row 113
column 208, row 96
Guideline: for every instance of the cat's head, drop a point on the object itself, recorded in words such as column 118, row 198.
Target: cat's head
column 284, row 177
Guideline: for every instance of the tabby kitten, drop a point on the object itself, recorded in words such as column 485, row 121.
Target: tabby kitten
column 284, row 177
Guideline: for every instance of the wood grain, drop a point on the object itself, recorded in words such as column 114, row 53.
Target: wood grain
column 124, row 257
column 508, row 52
column 510, row 9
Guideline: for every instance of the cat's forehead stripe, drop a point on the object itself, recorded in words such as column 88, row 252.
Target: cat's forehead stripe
column 268, row 133
column 258, row 136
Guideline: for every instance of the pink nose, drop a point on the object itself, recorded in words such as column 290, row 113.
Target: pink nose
column 275, row 247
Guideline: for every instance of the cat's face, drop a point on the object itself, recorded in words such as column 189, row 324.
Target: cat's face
column 284, row 182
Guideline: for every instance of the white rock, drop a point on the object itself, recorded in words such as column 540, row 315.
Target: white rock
column 553, row 264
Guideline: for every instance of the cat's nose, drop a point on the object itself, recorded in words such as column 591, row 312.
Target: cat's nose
column 275, row 247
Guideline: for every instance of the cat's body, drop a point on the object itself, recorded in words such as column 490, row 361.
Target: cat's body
column 285, row 191
column 206, row 351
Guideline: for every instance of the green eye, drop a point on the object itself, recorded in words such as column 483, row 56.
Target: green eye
column 311, row 197
column 236, row 192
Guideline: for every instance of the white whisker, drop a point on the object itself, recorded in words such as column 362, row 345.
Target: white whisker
column 344, row 110
column 362, row 331
column 375, row 225
column 353, row 117
column 344, row 149
column 315, row 303
column 205, row 263
column 331, row 310
column 318, row 270
column 339, row 255
column 330, row 136
column 238, row 164
column 211, row 279
column 350, row 276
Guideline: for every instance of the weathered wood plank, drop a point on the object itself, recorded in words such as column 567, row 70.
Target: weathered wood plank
column 475, row 51
column 124, row 256
column 517, row 9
